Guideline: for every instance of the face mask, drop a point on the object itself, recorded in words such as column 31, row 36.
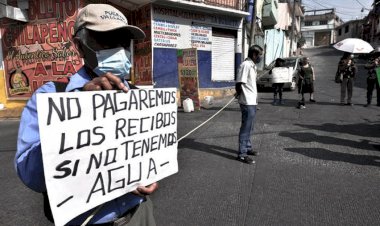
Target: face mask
column 115, row 61
column 258, row 59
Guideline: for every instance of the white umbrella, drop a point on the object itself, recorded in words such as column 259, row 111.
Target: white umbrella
column 354, row 45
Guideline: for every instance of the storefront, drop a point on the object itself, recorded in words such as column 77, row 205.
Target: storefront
column 41, row 49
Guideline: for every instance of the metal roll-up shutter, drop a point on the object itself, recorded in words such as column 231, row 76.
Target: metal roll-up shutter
column 223, row 58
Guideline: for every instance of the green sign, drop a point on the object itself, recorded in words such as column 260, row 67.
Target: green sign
column 378, row 74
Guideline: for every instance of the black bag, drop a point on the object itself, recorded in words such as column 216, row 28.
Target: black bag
column 338, row 76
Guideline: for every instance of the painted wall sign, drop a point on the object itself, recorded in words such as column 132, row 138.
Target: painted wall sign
column 166, row 33
column 180, row 29
column 40, row 50
column 201, row 37
column 188, row 75
column 97, row 146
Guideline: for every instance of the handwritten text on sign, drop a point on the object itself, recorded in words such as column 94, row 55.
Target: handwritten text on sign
column 97, row 146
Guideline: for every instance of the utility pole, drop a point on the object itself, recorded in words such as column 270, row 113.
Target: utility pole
column 253, row 23
column 293, row 23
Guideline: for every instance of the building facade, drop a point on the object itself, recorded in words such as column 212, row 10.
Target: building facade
column 371, row 25
column 350, row 29
column 318, row 27
column 281, row 22
column 37, row 48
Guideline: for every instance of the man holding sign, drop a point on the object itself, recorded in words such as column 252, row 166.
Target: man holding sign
column 102, row 37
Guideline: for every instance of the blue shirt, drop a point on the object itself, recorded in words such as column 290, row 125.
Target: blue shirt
column 28, row 160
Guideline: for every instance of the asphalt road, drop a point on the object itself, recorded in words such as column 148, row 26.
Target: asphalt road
column 317, row 166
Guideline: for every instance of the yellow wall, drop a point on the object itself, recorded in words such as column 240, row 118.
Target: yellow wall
column 12, row 108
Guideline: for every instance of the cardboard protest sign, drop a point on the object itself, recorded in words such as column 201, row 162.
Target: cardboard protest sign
column 97, row 146
column 281, row 75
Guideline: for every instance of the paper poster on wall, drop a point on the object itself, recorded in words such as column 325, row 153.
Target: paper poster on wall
column 188, row 75
column 97, row 146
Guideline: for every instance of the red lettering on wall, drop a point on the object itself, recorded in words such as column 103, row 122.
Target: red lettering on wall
column 69, row 68
column 53, row 33
column 40, row 70
column 49, row 9
column 44, row 32
column 36, row 35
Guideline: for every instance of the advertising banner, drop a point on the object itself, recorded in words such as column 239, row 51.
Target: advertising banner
column 188, row 75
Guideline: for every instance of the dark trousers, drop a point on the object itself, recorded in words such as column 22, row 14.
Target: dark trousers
column 371, row 83
column 346, row 86
column 277, row 88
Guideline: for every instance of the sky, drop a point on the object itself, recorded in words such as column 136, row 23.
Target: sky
column 346, row 9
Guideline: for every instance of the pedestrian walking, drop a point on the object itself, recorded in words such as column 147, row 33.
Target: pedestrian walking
column 246, row 93
column 372, row 81
column 306, row 78
column 103, row 43
column 278, row 87
column 348, row 70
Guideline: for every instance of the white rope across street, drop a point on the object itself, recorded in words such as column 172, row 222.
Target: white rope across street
column 192, row 131
column 209, row 119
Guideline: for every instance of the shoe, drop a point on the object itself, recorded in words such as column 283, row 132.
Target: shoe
column 255, row 153
column 312, row 100
column 245, row 159
column 302, row 107
column 366, row 105
column 349, row 104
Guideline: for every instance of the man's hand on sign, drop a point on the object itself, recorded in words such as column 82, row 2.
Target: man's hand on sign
column 108, row 81
column 142, row 191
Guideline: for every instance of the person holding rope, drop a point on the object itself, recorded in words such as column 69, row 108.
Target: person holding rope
column 246, row 93
column 103, row 43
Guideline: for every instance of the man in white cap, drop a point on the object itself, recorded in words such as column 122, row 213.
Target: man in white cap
column 102, row 37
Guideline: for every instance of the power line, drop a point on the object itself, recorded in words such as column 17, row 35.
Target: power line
column 342, row 10
column 340, row 6
column 360, row 3
column 319, row 4
column 331, row 5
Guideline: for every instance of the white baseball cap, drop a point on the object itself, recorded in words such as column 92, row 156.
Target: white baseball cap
column 103, row 18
